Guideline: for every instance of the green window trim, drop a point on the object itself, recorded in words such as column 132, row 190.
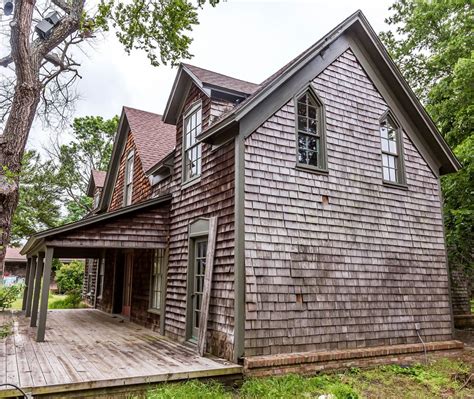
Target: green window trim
column 310, row 128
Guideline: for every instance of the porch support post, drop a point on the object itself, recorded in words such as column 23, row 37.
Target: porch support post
column 31, row 279
column 27, row 277
column 44, row 294
column 36, row 292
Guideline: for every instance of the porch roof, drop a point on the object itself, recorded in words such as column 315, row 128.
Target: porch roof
column 143, row 225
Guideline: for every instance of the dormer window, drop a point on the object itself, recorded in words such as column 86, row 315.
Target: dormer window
column 191, row 146
column 390, row 140
column 311, row 145
column 128, row 183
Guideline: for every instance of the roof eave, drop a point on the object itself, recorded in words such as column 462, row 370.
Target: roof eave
column 36, row 241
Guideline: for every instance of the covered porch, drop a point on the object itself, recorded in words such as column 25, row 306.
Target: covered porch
column 135, row 230
column 87, row 349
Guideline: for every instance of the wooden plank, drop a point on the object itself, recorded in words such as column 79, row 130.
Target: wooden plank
column 31, row 279
column 36, row 292
column 45, row 294
column 206, row 295
column 27, row 279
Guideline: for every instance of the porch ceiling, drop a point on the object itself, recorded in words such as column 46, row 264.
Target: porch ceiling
column 143, row 225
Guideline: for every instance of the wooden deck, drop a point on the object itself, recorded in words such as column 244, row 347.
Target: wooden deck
column 89, row 349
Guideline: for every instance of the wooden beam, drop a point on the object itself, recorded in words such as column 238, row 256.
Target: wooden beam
column 27, row 277
column 206, row 294
column 31, row 279
column 36, row 292
column 44, row 294
column 163, row 292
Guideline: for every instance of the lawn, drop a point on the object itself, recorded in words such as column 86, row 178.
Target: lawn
column 54, row 302
column 443, row 378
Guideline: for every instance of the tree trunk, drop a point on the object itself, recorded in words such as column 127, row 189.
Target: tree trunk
column 12, row 147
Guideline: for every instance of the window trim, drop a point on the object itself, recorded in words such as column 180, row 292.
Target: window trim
column 193, row 107
column 130, row 155
column 323, row 169
column 164, row 258
column 100, row 278
column 401, row 176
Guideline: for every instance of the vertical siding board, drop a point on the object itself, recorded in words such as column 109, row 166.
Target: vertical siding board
column 358, row 271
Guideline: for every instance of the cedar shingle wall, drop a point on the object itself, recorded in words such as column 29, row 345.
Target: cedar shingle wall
column 142, row 265
column 358, row 271
column 141, row 185
column 213, row 195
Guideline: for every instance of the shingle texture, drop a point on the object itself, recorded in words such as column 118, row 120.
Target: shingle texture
column 154, row 139
column 98, row 177
column 357, row 271
column 223, row 81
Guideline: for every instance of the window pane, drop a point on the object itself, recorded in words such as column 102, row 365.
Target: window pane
column 386, row 173
column 393, row 146
column 393, row 176
column 313, row 158
column 302, row 123
column 302, row 156
column 312, row 112
column 303, row 99
column 312, row 128
column 383, row 130
column 385, row 146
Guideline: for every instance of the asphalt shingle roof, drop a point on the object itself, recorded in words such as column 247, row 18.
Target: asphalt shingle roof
column 153, row 138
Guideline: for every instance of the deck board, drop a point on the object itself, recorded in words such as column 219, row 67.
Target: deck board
column 86, row 348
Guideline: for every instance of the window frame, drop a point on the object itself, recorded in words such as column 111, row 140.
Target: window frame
column 400, row 156
column 192, row 108
column 321, row 113
column 130, row 155
column 100, row 278
column 151, row 306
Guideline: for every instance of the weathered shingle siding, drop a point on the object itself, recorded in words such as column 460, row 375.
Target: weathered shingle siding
column 212, row 196
column 358, row 271
column 141, row 185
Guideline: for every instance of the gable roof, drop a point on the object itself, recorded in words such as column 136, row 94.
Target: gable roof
column 356, row 30
column 153, row 139
column 96, row 180
column 216, row 79
column 209, row 82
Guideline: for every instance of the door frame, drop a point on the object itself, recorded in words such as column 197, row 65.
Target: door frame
column 127, row 279
column 198, row 231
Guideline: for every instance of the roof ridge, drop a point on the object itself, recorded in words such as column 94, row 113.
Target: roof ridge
column 141, row 110
column 219, row 73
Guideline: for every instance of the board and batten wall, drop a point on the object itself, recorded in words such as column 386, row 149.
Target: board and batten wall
column 363, row 266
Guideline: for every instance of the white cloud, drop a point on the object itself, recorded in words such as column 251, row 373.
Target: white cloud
column 246, row 39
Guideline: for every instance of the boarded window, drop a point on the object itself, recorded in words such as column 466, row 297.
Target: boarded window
column 191, row 146
column 156, row 279
column 391, row 154
column 310, row 134
column 128, row 179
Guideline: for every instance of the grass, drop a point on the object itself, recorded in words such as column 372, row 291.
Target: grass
column 54, row 302
column 443, row 378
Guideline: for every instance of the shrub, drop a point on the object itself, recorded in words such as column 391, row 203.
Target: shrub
column 70, row 276
column 8, row 295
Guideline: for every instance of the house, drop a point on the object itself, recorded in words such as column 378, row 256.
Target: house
column 15, row 266
column 314, row 196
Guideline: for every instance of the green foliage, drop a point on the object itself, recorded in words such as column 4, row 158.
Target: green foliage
column 5, row 330
column 159, row 28
column 69, row 277
column 38, row 206
column 72, row 300
column 9, row 294
column 90, row 148
column 432, row 43
column 190, row 389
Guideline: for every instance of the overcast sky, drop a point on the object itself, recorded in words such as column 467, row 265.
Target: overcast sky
column 246, row 39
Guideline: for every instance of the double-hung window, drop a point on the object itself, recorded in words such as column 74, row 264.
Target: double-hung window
column 311, row 150
column 128, row 179
column 390, row 140
column 191, row 146
column 156, row 279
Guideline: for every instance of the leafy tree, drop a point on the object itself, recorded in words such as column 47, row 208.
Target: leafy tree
column 38, row 206
column 69, row 277
column 432, row 42
column 41, row 70
column 90, row 148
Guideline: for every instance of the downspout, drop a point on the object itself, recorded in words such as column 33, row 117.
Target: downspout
column 239, row 251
